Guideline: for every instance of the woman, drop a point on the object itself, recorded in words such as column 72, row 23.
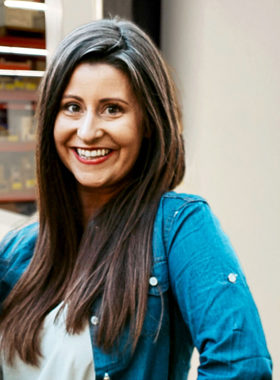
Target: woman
column 122, row 277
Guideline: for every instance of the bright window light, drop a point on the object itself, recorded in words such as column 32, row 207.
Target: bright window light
column 25, row 5
column 24, row 51
column 22, row 73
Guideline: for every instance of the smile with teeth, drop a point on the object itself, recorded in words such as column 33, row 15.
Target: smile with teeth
column 87, row 154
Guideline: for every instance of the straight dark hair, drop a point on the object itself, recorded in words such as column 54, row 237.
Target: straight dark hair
column 110, row 259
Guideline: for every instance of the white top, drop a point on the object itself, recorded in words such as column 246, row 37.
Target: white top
column 65, row 356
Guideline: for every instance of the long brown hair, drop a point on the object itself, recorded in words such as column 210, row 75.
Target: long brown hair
column 111, row 258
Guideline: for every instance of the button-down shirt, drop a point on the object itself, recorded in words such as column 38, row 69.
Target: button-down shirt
column 198, row 296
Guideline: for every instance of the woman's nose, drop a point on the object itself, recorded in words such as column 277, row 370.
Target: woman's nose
column 90, row 128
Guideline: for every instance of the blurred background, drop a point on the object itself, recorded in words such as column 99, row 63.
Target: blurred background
column 225, row 58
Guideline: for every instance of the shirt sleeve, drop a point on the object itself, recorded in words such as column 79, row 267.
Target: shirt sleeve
column 4, row 264
column 214, row 299
column 16, row 250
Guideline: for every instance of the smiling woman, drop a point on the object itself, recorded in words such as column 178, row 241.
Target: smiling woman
column 122, row 276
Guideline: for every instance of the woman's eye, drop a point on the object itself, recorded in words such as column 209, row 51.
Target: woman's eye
column 113, row 109
column 72, row 107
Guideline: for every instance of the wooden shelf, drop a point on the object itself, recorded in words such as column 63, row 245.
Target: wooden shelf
column 18, row 106
column 14, row 95
column 17, row 196
column 30, row 42
column 23, row 146
column 14, row 65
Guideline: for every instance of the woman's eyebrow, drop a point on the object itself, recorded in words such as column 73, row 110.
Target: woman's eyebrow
column 114, row 99
column 103, row 100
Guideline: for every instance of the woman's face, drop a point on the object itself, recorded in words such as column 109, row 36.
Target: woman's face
column 98, row 130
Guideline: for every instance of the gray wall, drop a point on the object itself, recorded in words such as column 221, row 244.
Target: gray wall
column 226, row 57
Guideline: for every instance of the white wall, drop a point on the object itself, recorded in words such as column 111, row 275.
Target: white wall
column 226, row 59
column 62, row 16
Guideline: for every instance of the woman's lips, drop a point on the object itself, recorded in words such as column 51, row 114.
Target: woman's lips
column 92, row 156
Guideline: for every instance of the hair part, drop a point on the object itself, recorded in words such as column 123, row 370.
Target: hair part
column 113, row 254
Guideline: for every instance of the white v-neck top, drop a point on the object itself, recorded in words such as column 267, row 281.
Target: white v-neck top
column 65, row 356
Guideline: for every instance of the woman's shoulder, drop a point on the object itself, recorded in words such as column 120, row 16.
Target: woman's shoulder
column 173, row 202
column 19, row 241
column 186, row 213
column 16, row 250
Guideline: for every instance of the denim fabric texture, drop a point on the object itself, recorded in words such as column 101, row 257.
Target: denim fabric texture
column 198, row 296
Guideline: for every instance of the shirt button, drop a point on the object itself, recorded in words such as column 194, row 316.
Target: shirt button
column 94, row 320
column 153, row 281
column 232, row 277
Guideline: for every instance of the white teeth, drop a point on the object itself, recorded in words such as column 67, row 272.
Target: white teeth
column 88, row 154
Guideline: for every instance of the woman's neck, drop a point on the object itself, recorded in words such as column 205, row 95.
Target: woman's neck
column 93, row 200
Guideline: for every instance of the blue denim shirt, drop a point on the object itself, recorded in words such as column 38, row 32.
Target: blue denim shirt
column 198, row 296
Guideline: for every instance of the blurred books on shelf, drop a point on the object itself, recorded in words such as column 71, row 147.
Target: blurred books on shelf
column 22, row 64
column 24, row 19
